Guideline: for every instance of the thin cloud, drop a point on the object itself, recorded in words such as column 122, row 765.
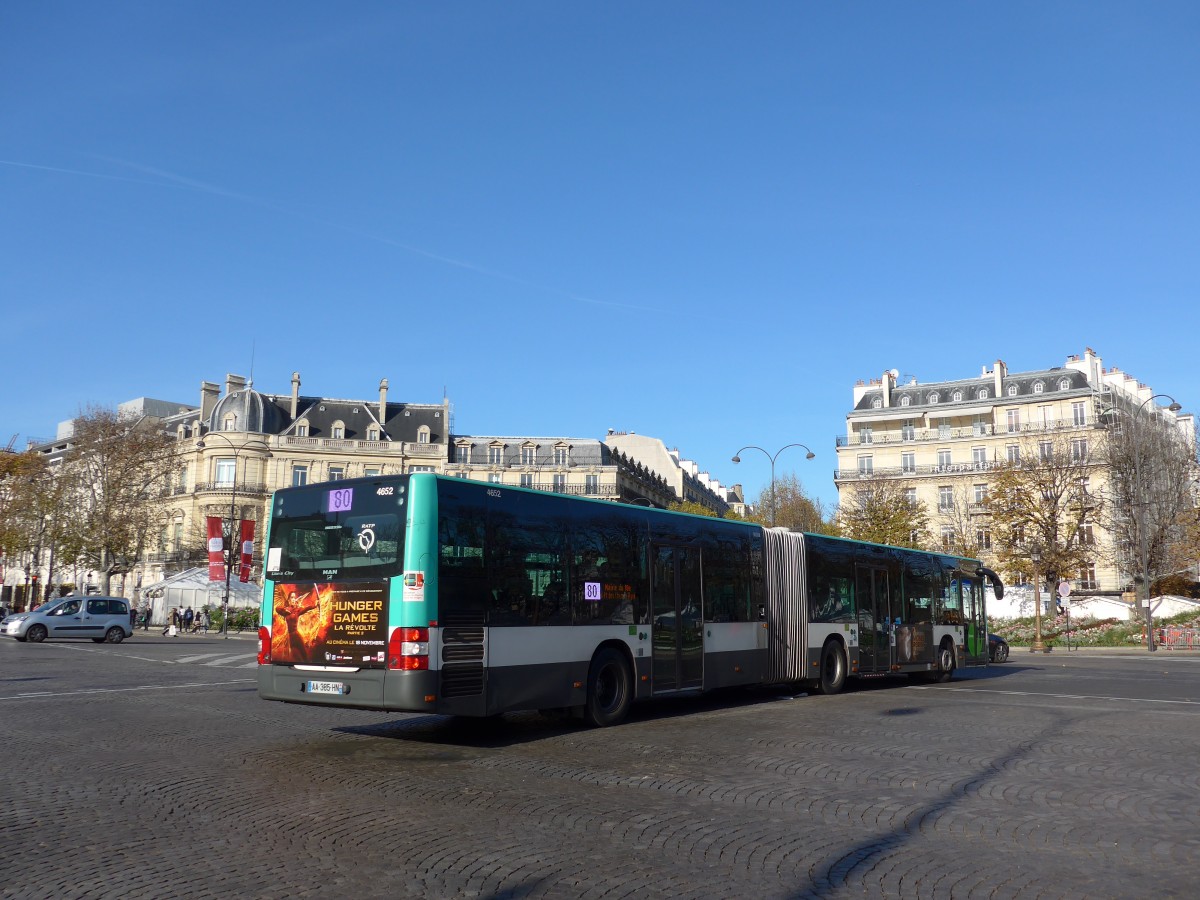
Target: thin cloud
column 163, row 178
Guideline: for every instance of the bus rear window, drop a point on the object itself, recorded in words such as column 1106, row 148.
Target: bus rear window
column 350, row 544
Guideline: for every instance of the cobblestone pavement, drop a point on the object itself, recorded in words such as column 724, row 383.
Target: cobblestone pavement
column 133, row 772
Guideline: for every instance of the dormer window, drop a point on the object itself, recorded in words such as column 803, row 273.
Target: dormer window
column 372, row 434
column 905, row 400
column 1038, row 387
column 934, row 397
column 338, row 430
column 877, row 403
column 562, row 456
column 462, row 453
column 1064, row 384
column 1012, row 390
column 301, row 429
column 229, row 422
column 957, row 396
column 423, row 434
column 983, row 394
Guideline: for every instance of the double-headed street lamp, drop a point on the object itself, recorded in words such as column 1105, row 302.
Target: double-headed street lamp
column 229, row 554
column 737, row 458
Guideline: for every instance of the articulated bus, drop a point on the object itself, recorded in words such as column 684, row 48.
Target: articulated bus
column 424, row 593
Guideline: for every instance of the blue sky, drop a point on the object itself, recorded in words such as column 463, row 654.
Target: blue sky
column 701, row 221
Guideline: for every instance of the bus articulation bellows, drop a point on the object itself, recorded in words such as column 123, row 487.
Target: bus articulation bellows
column 424, row 593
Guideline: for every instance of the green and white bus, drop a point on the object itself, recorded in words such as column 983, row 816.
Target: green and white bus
column 424, row 593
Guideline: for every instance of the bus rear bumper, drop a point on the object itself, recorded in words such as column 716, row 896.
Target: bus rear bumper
column 377, row 689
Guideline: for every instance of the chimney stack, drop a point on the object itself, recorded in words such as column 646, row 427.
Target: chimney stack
column 233, row 384
column 383, row 386
column 209, row 393
column 1000, row 372
column 295, row 394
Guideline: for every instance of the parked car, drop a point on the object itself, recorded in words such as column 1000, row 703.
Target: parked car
column 98, row 618
column 997, row 648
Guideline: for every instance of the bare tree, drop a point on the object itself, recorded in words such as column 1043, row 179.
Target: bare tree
column 794, row 508
column 1044, row 504
column 879, row 510
column 119, row 466
column 960, row 530
column 1151, row 513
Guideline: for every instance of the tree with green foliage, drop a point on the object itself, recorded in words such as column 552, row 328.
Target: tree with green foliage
column 879, row 510
column 794, row 508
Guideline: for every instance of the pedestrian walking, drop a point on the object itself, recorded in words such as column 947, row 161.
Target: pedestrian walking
column 132, row 616
column 172, row 618
column 204, row 619
column 146, row 618
column 188, row 615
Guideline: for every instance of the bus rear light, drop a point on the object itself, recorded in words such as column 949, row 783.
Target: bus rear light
column 264, row 646
column 408, row 649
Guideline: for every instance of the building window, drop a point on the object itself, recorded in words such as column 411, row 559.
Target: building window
column 526, row 479
column 226, row 470
column 1079, row 450
column 528, row 456
column 372, row 471
column 943, row 458
column 1087, row 577
column 372, row 433
column 1038, row 387
column 983, row 538
column 1079, row 414
column 1085, row 487
column 299, row 476
column 866, row 435
column 229, row 422
column 980, row 426
column 947, row 538
column 1012, row 452
column 301, row 429
column 934, row 397
column 910, row 496
column 1086, row 537
column 420, row 468
column 591, row 484
column 177, row 536
column 908, row 430
column 1012, row 390
column 560, row 483
column 957, row 396
column 562, row 456
column 337, row 473
column 338, row 432
column 944, row 429
column 1045, row 451
column 877, row 403
column 460, row 474
column 908, row 463
column 979, row 456
column 1013, row 420
column 945, row 498
column 980, row 493
column 866, row 464
column 182, row 488
column 423, row 434
column 495, row 455
column 905, row 400
column 1064, row 384
column 494, row 478
column 462, row 454
column 983, row 394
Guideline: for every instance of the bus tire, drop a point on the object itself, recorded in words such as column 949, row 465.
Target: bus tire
column 833, row 669
column 945, row 663
column 609, row 689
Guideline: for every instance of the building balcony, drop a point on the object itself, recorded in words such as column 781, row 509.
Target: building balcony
column 914, row 471
column 383, row 448
column 226, row 487
column 944, row 433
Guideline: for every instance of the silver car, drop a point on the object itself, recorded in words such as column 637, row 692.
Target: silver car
column 98, row 618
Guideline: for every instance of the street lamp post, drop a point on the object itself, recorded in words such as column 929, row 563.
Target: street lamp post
column 229, row 548
column 1139, row 510
column 1035, row 556
column 737, row 459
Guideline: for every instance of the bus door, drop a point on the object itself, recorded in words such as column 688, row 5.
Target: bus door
column 974, row 621
column 678, row 617
column 875, row 649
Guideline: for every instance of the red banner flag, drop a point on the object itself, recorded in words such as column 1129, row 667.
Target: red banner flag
column 216, row 547
column 247, row 549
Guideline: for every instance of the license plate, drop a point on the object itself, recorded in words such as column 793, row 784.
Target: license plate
column 327, row 687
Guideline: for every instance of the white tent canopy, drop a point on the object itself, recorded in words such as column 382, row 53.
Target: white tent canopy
column 193, row 589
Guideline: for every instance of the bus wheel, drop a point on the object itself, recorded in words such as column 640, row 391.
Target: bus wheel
column 833, row 668
column 945, row 660
column 610, row 689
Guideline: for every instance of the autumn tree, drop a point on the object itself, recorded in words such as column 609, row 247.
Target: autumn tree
column 118, row 466
column 880, row 510
column 959, row 527
column 794, row 508
column 1043, row 502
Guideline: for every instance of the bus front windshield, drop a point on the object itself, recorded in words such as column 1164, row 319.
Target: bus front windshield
column 346, row 530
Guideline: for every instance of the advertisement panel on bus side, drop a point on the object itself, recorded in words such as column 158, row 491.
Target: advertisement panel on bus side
column 330, row 624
